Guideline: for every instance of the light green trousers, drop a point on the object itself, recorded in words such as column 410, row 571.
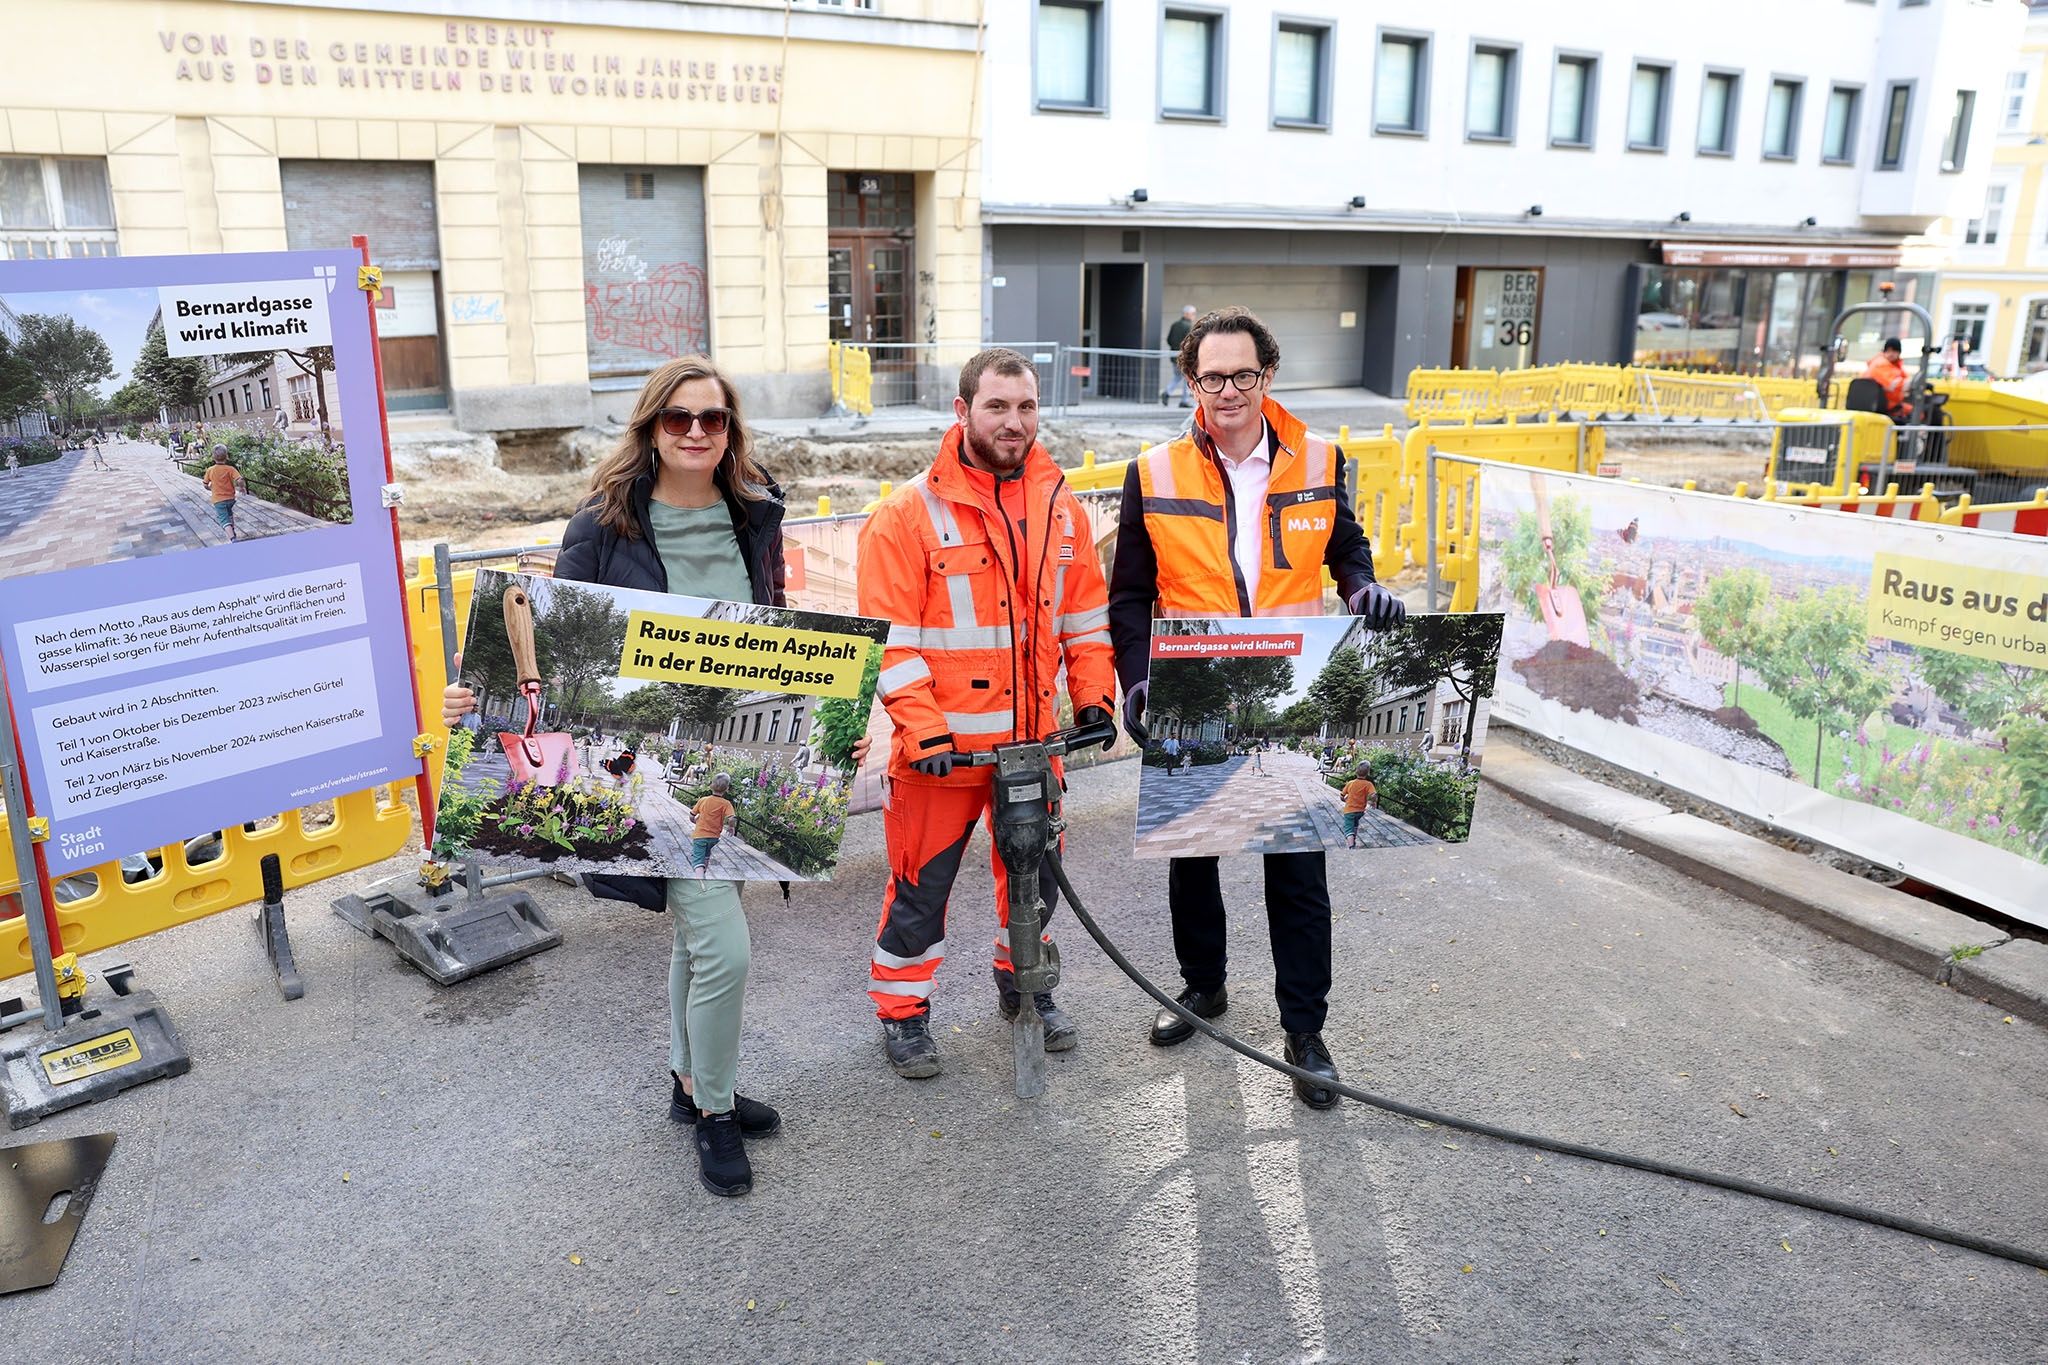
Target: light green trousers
column 707, row 985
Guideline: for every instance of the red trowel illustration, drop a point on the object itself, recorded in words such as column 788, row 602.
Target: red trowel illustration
column 1563, row 613
column 544, row 759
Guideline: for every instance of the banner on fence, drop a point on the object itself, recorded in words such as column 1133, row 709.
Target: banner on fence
column 1289, row 736
column 1878, row 686
column 670, row 736
column 194, row 640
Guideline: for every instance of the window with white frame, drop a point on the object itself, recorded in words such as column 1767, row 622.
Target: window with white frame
column 1400, row 96
column 1781, row 120
column 1838, row 134
column 1069, row 55
column 1190, row 64
column 1301, row 75
column 1573, row 88
column 1983, row 230
column 2034, row 349
column 1649, row 107
column 1719, row 94
column 55, row 206
column 1957, row 144
column 2012, row 114
column 1490, row 94
column 1966, row 323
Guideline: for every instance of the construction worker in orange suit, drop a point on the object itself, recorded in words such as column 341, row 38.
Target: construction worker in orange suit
column 1239, row 516
column 1889, row 371
column 985, row 568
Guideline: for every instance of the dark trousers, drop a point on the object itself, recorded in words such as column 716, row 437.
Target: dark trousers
column 1297, row 920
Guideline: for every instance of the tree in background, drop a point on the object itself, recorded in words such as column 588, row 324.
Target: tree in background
column 840, row 721
column 20, row 390
column 586, row 632
column 1305, row 717
column 1523, row 564
column 487, row 664
column 1982, row 691
column 134, row 402
column 67, row 358
column 1818, row 663
column 1462, row 650
column 1735, row 615
column 1343, row 690
column 172, row 381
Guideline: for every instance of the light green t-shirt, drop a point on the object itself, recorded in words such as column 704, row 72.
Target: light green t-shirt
column 700, row 552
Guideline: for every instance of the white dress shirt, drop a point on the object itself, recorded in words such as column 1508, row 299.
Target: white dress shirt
column 1248, row 479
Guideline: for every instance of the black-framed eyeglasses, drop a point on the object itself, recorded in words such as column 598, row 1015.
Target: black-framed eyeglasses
column 1245, row 380
column 677, row 421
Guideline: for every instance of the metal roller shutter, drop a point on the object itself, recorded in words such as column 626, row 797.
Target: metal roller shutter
column 1307, row 306
column 643, row 266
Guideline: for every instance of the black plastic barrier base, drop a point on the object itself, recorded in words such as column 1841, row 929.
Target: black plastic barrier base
column 450, row 937
column 123, row 1038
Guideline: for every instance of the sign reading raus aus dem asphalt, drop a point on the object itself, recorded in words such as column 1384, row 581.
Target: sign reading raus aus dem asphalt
column 688, row 649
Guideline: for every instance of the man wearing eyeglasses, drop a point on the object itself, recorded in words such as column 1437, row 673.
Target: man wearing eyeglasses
column 1238, row 517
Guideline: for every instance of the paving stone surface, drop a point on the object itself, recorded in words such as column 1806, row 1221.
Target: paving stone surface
column 1270, row 802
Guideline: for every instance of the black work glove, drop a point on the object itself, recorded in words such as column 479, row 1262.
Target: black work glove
column 1380, row 608
column 936, row 765
column 1095, row 715
column 1134, row 713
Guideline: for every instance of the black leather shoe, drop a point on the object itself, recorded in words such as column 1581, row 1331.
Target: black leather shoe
column 1169, row 1028
column 1306, row 1051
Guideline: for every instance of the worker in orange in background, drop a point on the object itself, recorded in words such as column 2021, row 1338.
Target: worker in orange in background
column 1890, row 373
column 986, row 569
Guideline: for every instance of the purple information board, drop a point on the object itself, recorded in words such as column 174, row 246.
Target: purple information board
column 200, row 610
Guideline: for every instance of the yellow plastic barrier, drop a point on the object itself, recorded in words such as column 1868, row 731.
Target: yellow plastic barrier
column 1448, row 395
column 1382, row 501
column 1921, row 506
column 1594, row 389
column 1483, row 395
column 1549, row 444
column 2014, row 518
column 853, row 378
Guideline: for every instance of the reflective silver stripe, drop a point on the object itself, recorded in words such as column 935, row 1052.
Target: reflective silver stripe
column 1312, row 607
column 916, row 990
column 1160, row 458
column 960, row 591
column 898, row 676
column 1074, row 622
column 971, row 637
column 1059, row 588
column 885, row 958
column 1183, row 507
column 1318, row 470
column 988, row 723
column 1087, row 636
column 905, row 637
column 941, row 515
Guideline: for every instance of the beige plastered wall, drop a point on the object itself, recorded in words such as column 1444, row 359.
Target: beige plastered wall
column 193, row 139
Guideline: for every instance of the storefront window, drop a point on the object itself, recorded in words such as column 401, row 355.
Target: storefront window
column 1762, row 321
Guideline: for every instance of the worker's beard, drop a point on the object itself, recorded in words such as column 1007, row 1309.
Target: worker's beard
column 988, row 456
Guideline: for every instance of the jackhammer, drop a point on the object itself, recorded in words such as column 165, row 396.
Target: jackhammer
column 1025, row 795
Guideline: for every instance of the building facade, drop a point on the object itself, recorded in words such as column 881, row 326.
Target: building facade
column 1485, row 184
column 558, row 207
column 1994, row 291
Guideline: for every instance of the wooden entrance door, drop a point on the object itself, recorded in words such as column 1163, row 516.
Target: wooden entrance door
column 868, row 285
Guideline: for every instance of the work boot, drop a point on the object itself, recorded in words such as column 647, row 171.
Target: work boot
column 1306, row 1051
column 722, row 1157
column 908, row 1042
column 1060, row 1033
column 1169, row 1028
column 756, row 1119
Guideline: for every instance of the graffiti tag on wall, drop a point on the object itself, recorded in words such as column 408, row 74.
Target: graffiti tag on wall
column 662, row 312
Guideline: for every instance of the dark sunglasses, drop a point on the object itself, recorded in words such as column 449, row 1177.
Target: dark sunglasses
column 677, row 421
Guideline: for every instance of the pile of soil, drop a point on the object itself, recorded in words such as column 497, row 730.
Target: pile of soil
column 1734, row 718
column 491, row 839
column 1583, row 679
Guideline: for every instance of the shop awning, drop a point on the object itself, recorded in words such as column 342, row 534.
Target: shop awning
column 1780, row 256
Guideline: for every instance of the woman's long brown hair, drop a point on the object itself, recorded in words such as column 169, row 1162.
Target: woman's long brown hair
column 611, row 482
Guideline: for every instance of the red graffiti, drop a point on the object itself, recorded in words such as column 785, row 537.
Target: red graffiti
column 663, row 313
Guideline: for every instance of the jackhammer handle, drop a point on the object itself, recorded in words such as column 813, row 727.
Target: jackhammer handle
column 1081, row 736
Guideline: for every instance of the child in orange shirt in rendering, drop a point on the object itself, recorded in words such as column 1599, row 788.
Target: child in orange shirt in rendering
column 223, row 481
column 1359, row 793
column 712, row 812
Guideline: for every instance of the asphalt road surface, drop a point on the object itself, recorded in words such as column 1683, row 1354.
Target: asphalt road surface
column 388, row 1170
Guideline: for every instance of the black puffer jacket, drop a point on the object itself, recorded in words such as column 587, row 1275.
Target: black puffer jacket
column 594, row 553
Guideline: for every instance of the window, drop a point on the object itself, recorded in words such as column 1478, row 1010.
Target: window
column 1401, row 85
column 1649, row 107
column 1718, row 102
column 1301, row 76
column 639, row 184
column 796, row 724
column 1069, row 55
column 1191, row 65
column 1898, row 105
column 775, row 725
column 1403, row 727
column 2012, row 115
column 2035, row 356
column 1966, row 322
column 1781, row 120
column 1572, row 97
column 55, row 207
column 248, row 397
column 1983, row 229
column 1490, row 94
column 1838, row 137
column 1958, row 143
column 267, row 402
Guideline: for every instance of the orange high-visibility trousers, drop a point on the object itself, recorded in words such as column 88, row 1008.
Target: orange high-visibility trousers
column 927, row 827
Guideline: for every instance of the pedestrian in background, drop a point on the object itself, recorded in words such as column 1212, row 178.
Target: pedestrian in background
column 682, row 501
column 223, row 481
column 1177, row 383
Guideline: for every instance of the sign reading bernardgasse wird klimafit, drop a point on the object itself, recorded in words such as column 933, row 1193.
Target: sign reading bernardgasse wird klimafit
column 193, row 642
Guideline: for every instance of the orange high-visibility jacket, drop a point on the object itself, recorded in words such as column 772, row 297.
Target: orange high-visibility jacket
column 1891, row 376
column 982, row 618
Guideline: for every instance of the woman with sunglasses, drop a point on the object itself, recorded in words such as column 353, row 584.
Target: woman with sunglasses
column 681, row 505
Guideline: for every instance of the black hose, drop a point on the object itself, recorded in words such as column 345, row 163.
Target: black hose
column 1818, row 1203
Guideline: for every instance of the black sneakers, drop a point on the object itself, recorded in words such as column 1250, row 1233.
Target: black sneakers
column 909, row 1045
column 722, row 1157
column 756, row 1119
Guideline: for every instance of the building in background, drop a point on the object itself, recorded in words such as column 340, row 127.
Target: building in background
column 1482, row 184
column 558, row 207
column 1994, row 289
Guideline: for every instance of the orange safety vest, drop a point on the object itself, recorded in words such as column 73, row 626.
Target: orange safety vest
column 1189, row 515
column 977, row 639
column 1891, row 377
